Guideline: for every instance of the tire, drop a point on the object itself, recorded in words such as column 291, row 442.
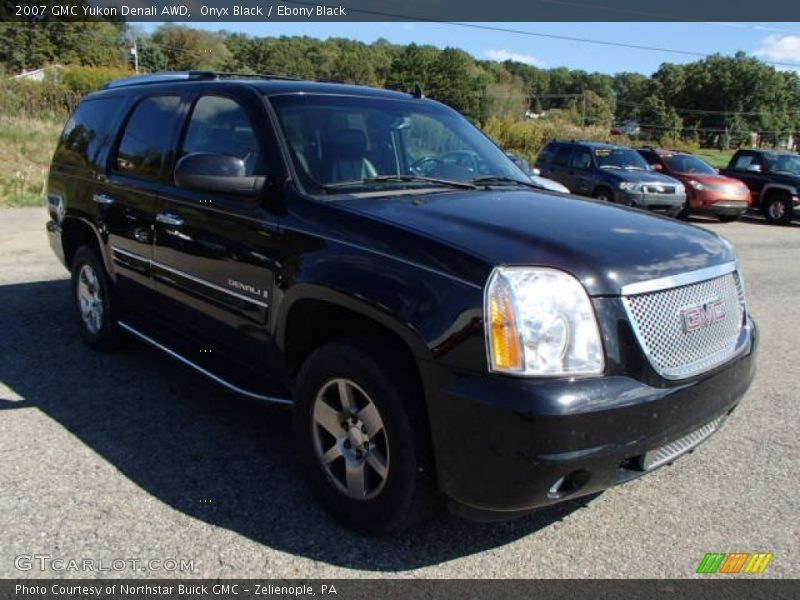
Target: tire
column 94, row 299
column 604, row 194
column 728, row 218
column 397, row 485
column 778, row 209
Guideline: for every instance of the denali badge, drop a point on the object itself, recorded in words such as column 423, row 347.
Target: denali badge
column 702, row 315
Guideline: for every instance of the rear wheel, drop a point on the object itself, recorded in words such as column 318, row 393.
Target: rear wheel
column 778, row 209
column 362, row 435
column 94, row 300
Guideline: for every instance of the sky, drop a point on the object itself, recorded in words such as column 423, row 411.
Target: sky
column 777, row 42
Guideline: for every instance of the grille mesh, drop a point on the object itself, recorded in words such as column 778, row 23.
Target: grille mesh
column 673, row 352
column 659, row 189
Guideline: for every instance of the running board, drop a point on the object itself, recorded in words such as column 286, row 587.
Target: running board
column 202, row 370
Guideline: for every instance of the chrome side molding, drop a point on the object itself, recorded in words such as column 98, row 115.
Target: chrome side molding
column 217, row 379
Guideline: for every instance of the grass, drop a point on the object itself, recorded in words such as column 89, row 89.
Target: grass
column 716, row 158
column 26, row 147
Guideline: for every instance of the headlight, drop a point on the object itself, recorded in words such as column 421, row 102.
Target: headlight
column 697, row 185
column 628, row 186
column 540, row 322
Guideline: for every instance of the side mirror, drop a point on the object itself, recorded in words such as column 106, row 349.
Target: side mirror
column 658, row 167
column 210, row 172
column 754, row 168
column 537, row 171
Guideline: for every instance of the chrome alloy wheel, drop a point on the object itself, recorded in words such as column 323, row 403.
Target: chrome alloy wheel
column 90, row 300
column 350, row 439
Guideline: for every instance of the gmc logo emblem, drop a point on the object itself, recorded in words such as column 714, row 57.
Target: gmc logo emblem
column 702, row 315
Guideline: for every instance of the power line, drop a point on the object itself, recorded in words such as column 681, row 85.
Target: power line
column 539, row 34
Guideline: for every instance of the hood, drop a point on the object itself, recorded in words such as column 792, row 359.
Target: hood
column 707, row 179
column 549, row 184
column 641, row 176
column 604, row 246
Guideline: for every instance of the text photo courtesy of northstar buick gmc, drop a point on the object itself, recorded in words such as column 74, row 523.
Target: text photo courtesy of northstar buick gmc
column 445, row 334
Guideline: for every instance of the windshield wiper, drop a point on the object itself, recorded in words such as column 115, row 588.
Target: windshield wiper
column 634, row 168
column 504, row 179
column 401, row 179
column 610, row 167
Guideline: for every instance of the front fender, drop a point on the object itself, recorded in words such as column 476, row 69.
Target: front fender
column 438, row 316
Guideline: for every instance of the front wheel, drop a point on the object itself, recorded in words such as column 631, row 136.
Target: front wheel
column 603, row 194
column 363, row 438
column 94, row 300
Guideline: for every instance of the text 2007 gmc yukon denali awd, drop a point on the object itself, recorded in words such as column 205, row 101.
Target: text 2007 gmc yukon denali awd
column 444, row 330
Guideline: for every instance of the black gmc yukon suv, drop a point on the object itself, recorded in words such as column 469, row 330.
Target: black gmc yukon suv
column 451, row 336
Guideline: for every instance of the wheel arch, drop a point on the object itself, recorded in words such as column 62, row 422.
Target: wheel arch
column 77, row 231
column 313, row 315
column 776, row 188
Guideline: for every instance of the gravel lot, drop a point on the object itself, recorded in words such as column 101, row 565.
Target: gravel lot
column 133, row 456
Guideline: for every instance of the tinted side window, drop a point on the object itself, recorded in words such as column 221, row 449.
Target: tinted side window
column 148, row 137
column 651, row 157
column 221, row 126
column 86, row 132
column 743, row 162
column 546, row 154
column 582, row 159
column 562, row 156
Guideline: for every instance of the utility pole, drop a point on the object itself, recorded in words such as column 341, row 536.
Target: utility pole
column 135, row 52
column 583, row 108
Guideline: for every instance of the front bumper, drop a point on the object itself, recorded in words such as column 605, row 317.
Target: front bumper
column 727, row 207
column 506, row 445
column 666, row 202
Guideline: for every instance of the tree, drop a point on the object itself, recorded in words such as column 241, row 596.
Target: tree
column 188, row 49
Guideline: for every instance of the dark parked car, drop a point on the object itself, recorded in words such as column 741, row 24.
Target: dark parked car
column 774, row 181
column 450, row 336
column 535, row 176
column 708, row 192
column 611, row 173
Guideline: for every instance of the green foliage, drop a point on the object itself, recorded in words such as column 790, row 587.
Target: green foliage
column 717, row 101
column 527, row 138
column 83, row 80
column 46, row 99
column 189, row 49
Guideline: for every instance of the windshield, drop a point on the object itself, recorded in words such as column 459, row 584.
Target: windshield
column 349, row 143
column 784, row 163
column 686, row 163
column 619, row 158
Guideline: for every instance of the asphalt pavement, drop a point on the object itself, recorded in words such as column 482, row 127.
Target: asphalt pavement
column 132, row 457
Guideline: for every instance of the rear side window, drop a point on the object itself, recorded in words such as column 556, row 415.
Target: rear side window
column 221, row 126
column 582, row 159
column 743, row 162
column 562, row 156
column 148, row 137
column 87, row 131
column 546, row 154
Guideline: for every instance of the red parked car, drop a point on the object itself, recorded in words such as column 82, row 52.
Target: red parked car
column 706, row 190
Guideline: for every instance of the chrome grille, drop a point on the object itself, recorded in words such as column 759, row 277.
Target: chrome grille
column 669, row 452
column 659, row 189
column 674, row 351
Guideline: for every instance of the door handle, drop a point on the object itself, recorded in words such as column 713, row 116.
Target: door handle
column 169, row 219
column 103, row 198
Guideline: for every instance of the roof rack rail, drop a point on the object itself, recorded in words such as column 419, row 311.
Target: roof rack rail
column 176, row 76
